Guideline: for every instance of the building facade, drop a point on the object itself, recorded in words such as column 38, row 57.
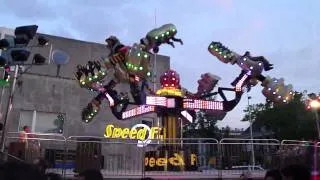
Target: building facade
column 48, row 99
column 44, row 92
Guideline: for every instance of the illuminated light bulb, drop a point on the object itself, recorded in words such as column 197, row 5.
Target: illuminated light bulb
column 279, row 97
column 165, row 74
column 162, row 35
column 251, row 67
column 275, row 81
column 135, row 68
column 220, row 52
column 260, row 64
column 92, row 114
column 224, row 56
column 95, row 76
column 284, row 100
column 269, row 89
column 90, row 79
column 156, row 37
column 166, row 85
column 167, row 32
column 89, row 117
column 290, row 92
column 216, row 49
column 139, row 54
column 148, row 74
column 173, row 30
column 145, row 56
column 95, row 110
column 87, row 121
column 173, row 78
column 173, row 73
column 241, row 63
column 141, row 68
column 273, row 92
column 172, row 85
column 83, row 83
column 244, row 59
column 211, row 46
column 103, row 73
column 165, row 79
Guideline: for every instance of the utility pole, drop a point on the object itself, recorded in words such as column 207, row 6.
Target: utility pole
column 251, row 133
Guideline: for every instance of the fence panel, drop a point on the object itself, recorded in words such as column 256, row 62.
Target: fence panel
column 297, row 152
column 183, row 158
column 246, row 156
column 115, row 157
column 36, row 146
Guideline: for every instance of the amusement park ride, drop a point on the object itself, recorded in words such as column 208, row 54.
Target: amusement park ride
column 131, row 64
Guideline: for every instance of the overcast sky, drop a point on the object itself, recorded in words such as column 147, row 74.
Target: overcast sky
column 284, row 31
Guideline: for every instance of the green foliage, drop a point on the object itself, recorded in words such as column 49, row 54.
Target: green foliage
column 203, row 127
column 287, row 121
column 59, row 123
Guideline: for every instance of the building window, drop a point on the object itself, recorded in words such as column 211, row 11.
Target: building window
column 42, row 122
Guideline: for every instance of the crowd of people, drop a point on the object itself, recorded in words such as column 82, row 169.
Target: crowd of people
column 24, row 171
column 37, row 171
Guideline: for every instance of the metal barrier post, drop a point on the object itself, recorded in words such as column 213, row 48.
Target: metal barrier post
column 220, row 160
column 143, row 157
column 64, row 159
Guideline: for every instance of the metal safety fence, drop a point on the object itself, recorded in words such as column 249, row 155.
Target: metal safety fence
column 172, row 158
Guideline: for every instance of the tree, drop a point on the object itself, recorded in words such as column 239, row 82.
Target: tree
column 58, row 123
column 203, row 127
column 287, row 121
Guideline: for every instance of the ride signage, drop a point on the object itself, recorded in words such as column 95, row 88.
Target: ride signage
column 170, row 161
column 143, row 133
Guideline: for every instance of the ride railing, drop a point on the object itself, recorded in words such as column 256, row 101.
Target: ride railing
column 206, row 158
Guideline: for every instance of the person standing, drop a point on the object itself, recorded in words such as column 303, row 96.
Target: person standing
column 32, row 146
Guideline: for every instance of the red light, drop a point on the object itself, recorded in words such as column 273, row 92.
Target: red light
column 170, row 77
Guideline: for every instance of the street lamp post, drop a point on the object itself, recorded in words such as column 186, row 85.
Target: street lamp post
column 9, row 106
column 314, row 104
column 251, row 133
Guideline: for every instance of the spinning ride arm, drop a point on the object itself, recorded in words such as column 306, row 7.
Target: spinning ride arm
column 251, row 73
column 159, row 36
column 117, row 102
